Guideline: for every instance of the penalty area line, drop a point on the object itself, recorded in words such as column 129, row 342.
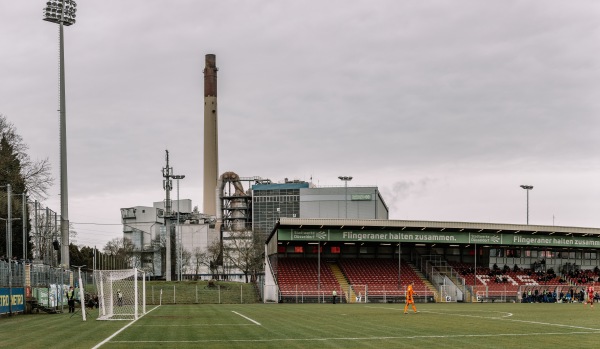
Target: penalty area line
column 247, row 318
column 121, row 330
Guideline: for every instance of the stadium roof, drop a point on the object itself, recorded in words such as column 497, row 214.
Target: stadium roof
column 433, row 226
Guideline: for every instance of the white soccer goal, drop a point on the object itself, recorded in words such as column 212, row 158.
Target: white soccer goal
column 358, row 294
column 121, row 294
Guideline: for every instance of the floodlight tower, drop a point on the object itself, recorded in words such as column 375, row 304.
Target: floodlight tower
column 346, row 179
column 527, row 188
column 62, row 12
column 178, row 231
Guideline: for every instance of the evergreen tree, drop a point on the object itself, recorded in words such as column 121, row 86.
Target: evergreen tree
column 26, row 177
column 10, row 173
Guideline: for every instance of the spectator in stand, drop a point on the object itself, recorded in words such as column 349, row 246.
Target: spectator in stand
column 571, row 294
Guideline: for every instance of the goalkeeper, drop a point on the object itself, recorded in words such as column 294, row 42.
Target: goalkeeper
column 410, row 298
column 119, row 298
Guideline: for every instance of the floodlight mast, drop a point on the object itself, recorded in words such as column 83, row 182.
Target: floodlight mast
column 346, row 179
column 62, row 12
column 527, row 188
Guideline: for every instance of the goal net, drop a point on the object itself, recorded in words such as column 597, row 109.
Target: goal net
column 358, row 294
column 121, row 294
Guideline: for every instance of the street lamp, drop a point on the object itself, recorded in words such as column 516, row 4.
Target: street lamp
column 62, row 12
column 527, row 188
column 346, row 179
column 178, row 228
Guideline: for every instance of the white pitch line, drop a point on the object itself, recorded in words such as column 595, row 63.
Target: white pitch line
column 365, row 338
column 121, row 330
column 505, row 319
column 196, row 325
column 247, row 318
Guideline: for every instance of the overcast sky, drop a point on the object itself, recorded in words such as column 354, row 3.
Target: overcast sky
column 447, row 106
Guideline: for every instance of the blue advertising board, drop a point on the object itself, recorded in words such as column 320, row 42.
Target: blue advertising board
column 12, row 300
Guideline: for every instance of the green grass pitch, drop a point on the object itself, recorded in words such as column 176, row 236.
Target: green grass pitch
column 448, row 325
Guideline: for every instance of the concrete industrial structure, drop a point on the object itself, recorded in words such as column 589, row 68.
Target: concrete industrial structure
column 300, row 199
column 211, row 135
column 144, row 226
column 241, row 213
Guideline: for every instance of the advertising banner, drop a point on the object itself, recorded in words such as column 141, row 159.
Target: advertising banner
column 435, row 237
column 11, row 300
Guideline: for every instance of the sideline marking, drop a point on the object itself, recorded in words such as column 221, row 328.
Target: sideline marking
column 122, row 329
column 366, row 338
column 195, row 325
column 247, row 318
column 504, row 318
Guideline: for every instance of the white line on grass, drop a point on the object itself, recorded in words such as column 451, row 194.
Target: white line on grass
column 505, row 319
column 121, row 330
column 247, row 318
column 196, row 325
column 366, row 338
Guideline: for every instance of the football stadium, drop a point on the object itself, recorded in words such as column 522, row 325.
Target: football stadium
column 480, row 285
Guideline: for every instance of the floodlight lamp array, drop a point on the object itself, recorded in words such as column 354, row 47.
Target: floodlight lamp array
column 60, row 11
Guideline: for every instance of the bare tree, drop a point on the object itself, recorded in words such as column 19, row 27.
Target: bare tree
column 121, row 248
column 36, row 174
column 45, row 232
column 213, row 258
column 243, row 251
column 198, row 257
column 186, row 258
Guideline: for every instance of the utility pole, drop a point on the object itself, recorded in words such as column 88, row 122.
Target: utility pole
column 168, row 186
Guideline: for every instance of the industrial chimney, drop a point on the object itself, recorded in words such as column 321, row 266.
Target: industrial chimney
column 211, row 141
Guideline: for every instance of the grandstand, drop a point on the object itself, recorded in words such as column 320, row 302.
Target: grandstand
column 299, row 278
column 447, row 261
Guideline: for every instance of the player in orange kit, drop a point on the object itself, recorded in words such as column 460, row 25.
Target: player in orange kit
column 410, row 298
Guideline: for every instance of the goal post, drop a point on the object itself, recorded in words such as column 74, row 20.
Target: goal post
column 121, row 294
column 357, row 294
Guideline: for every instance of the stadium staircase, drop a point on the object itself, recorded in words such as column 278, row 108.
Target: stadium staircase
column 425, row 281
column 436, row 268
column 341, row 279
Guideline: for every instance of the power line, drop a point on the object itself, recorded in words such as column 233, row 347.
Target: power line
column 98, row 223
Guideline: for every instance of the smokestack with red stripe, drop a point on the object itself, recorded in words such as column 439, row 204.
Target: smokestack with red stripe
column 211, row 139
